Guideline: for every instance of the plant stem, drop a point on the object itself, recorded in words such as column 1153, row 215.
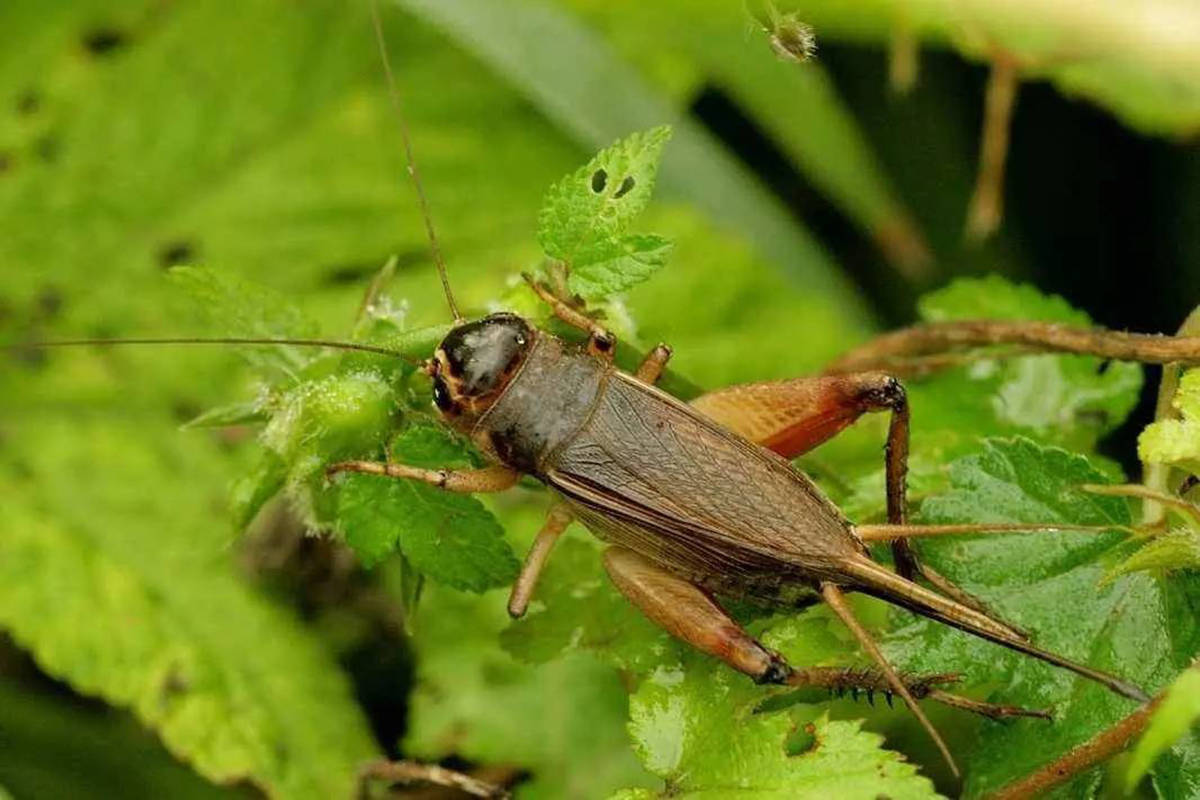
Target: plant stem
column 1091, row 753
column 895, row 349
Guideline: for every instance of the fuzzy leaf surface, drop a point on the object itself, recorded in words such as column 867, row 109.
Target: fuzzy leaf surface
column 152, row 617
column 697, row 728
column 450, row 537
column 1050, row 585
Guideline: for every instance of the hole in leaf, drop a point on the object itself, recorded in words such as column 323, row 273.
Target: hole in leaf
column 599, row 181
column 28, row 103
column 174, row 253
column 625, row 188
column 101, row 42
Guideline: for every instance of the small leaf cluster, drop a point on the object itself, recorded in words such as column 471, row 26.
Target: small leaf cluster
column 584, row 219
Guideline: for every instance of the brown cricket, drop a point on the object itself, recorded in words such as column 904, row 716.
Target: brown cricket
column 699, row 501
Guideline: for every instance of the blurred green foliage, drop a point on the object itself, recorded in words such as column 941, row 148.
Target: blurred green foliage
column 142, row 136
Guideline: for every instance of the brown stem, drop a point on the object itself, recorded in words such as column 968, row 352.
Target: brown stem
column 1091, row 753
column 987, row 201
column 892, row 350
column 411, row 772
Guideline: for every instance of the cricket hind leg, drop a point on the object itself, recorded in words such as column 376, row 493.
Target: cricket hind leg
column 794, row 416
column 691, row 615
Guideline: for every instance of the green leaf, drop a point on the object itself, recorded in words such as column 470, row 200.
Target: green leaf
column 223, row 416
column 235, row 307
column 1064, row 399
column 450, row 537
column 585, row 215
column 329, row 419
column 252, row 491
column 700, row 731
column 564, row 721
column 152, row 616
column 1048, row 584
column 612, row 266
column 1174, row 717
column 1176, row 442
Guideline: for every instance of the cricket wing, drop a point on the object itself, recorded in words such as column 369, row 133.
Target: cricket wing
column 658, row 477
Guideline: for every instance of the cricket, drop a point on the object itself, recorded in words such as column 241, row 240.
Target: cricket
column 700, row 504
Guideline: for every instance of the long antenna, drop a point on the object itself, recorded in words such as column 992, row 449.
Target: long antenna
column 394, row 91
column 365, row 348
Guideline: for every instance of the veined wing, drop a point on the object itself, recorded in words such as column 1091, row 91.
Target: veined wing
column 692, row 490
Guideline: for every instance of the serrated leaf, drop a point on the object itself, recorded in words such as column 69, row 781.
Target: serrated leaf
column 1174, row 717
column 612, row 266
column 1047, row 584
column 596, row 203
column 156, row 620
column 699, row 730
column 236, row 307
column 449, row 537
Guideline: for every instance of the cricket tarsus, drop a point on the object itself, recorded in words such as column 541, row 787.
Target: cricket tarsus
column 394, row 92
column 874, row 579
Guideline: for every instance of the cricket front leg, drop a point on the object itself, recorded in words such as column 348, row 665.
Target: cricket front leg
column 601, row 341
column 691, row 615
column 487, row 479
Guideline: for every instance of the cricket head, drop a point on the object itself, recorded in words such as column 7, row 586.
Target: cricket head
column 475, row 362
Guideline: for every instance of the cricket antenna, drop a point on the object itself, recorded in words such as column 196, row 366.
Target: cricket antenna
column 225, row 340
column 394, row 91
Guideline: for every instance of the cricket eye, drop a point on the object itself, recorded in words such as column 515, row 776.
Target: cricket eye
column 441, row 395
